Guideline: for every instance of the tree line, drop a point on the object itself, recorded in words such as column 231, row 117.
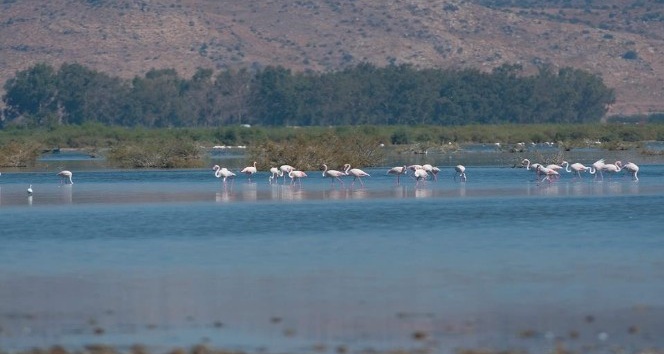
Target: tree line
column 44, row 96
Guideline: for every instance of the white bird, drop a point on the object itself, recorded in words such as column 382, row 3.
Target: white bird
column 549, row 173
column 534, row 166
column 356, row 173
column 420, row 176
column 598, row 166
column 249, row 170
column 632, row 169
column 398, row 171
column 275, row 173
column 65, row 176
column 285, row 169
column 612, row 168
column 577, row 168
column 461, row 172
column 415, row 167
column 431, row 170
column 29, row 190
column 220, row 172
column 334, row 174
column 296, row 175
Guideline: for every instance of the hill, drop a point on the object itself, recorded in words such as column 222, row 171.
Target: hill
column 622, row 40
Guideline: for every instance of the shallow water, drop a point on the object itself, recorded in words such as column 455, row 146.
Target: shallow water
column 175, row 258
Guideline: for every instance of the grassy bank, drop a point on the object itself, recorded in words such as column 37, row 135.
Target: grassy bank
column 171, row 147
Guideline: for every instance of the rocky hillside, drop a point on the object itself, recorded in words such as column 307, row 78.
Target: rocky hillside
column 623, row 40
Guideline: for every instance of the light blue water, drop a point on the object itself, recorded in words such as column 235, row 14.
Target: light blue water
column 174, row 258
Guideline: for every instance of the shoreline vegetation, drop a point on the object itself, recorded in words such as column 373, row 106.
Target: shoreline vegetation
column 308, row 147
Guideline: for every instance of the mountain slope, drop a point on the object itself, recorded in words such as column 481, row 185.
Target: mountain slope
column 622, row 40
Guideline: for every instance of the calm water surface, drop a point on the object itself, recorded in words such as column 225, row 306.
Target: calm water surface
column 174, row 258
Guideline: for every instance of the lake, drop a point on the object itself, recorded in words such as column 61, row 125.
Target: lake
column 173, row 258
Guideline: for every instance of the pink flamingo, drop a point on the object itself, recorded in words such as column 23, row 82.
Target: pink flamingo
column 577, row 168
column 420, row 175
column 549, row 173
column 398, row 171
column 632, row 169
column 65, row 177
column 220, row 172
column 433, row 171
column 334, row 174
column 598, row 166
column 612, row 168
column 356, row 173
column 534, row 166
column 296, row 175
column 275, row 173
column 285, row 169
column 249, row 170
column 461, row 172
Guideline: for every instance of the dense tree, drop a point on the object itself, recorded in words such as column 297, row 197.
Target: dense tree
column 364, row 94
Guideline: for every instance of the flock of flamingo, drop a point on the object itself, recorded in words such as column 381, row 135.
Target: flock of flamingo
column 551, row 171
column 419, row 172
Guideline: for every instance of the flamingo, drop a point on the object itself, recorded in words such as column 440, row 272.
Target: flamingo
column 577, row 168
column 534, row 166
column 435, row 171
column 398, row 170
column 420, row 175
column 65, row 177
column 220, row 172
column 29, row 190
column 461, row 172
column 249, row 170
column 550, row 173
column 356, row 172
column 632, row 169
column 275, row 173
column 598, row 166
column 415, row 167
column 432, row 170
column 285, row 169
column 612, row 168
column 296, row 175
column 334, row 174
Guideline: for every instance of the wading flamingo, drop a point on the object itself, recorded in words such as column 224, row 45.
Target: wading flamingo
column 420, row 176
column 612, row 168
column 632, row 169
column 222, row 172
column 577, row 168
column 549, row 173
column 334, row 174
column 285, row 169
column 65, row 177
column 431, row 170
column 296, row 175
column 461, row 172
column 398, row 171
column 534, row 167
column 598, row 166
column 249, row 171
column 275, row 173
column 356, row 173
column 29, row 190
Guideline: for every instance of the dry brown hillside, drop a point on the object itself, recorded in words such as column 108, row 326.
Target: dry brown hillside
column 623, row 40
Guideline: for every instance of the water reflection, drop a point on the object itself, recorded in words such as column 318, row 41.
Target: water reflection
column 250, row 191
column 423, row 193
column 66, row 193
column 224, row 196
